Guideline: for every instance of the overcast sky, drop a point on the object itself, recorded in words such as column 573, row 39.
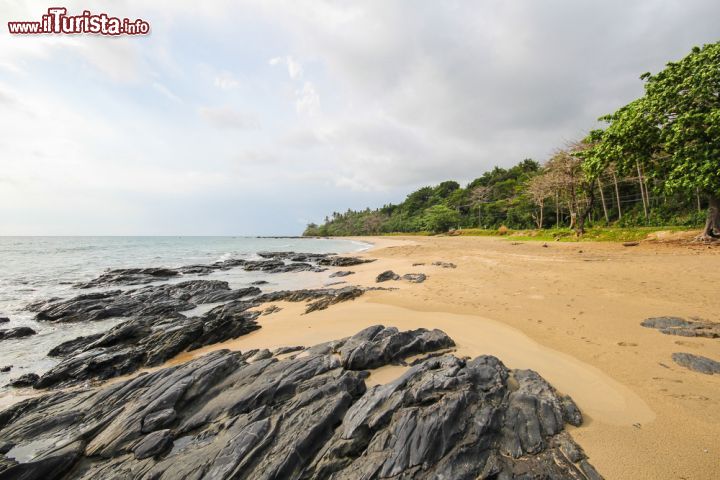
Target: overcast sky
column 256, row 117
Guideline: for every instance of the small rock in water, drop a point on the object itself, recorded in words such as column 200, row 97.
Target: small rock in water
column 27, row 380
column 387, row 275
column 6, row 368
column 4, row 319
column 696, row 363
column 17, row 332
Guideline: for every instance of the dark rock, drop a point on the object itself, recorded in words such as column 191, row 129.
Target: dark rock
column 444, row 264
column 387, row 275
column 153, row 444
column 166, row 300
column 66, row 348
column 130, row 276
column 285, row 350
column 685, row 328
column 343, row 261
column 341, row 273
column 6, row 368
column 301, row 418
column 696, row 363
column 376, row 346
column 330, row 284
column 27, row 380
column 4, row 319
column 415, row 277
column 271, row 309
column 17, row 332
column 417, row 264
column 631, row 244
column 260, row 282
column 144, row 342
column 319, row 299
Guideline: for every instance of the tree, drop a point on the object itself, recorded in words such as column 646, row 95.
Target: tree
column 539, row 188
column 672, row 133
column 575, row 183
column 440, row 218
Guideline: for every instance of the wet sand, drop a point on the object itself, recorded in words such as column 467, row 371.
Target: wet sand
column 570, row 311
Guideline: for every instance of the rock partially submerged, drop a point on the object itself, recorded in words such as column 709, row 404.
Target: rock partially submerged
column 27, row 380
column 165, row 300
column 146, row 341
column 17, row 332
column 685, row 328
column 697, row 363
column 272, row 262
column 225, row 416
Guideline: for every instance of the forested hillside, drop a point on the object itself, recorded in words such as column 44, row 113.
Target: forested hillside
column 656, row 163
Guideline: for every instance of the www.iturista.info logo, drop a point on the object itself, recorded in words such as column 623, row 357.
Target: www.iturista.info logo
column 58, row 21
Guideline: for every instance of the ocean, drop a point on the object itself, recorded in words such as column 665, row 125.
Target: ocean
column 40, row 268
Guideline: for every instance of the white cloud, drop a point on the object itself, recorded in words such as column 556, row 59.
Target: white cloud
column 308, row 100
column 165, row 91
column 226, row 81
column 294, row 67
column 225, row 117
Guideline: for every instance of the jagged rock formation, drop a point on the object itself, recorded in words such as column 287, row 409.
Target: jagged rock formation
column 272, row 262
column 252, row 416
column 17, row 332
column 685, row 328
column 161, row 300
column 149, row 340
column 696, row 363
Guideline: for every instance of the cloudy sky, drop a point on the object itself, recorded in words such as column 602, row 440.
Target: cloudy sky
column 256, row 117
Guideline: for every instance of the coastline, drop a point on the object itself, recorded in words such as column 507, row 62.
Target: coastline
column 572, row 312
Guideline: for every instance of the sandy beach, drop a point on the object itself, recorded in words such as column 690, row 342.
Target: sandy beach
column 570, row 311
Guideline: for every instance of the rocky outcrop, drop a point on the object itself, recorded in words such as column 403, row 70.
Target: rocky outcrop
column 143, row 342
column 697, row 363
column 130, row 276
column 164, row 300
column 149, row 340
column 386, row 276
column 253, row 416
column 17, row 332
column 272, row 262
column 376, row 346
column 685, row 328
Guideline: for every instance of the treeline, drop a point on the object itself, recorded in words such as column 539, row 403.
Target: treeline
column 526, row 196
column 656, row 163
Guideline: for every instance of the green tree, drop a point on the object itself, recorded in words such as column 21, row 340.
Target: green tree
column 440, row 218
column 673, row 131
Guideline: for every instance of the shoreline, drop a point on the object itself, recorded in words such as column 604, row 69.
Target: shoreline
column 571, row 312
